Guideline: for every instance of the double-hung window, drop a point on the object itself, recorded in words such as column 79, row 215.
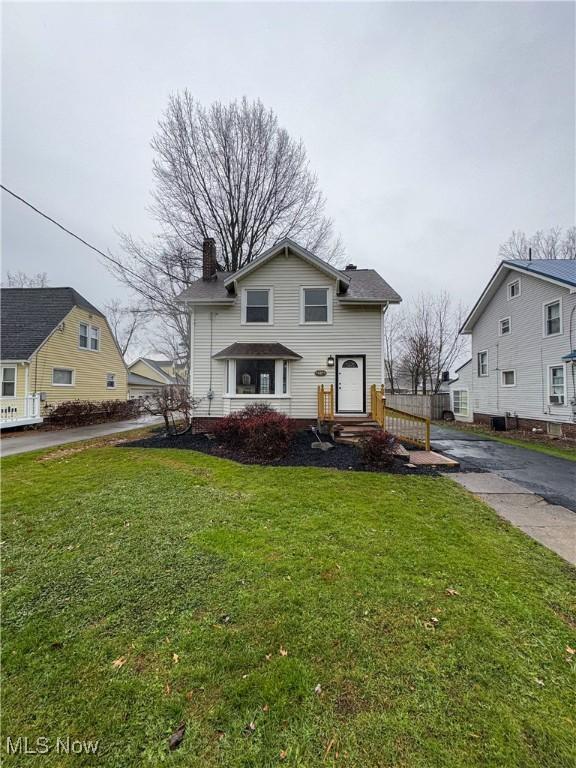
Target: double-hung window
column 482, row 363
column 94, row 338
column 83, row 336
column 513, row 289
column 257, row 305
column 504, row 327
column 316, row 305
column 553, row 318
column 556, row 385
column 110, row 381
column 9, row 381
column 89, row 337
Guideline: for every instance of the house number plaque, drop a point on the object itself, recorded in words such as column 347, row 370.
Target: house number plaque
column 320, row 372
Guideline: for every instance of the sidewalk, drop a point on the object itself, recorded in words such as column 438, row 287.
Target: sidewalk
column 549, row 524
column 33, row 440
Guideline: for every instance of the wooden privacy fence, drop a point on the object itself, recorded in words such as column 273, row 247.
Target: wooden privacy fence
column 325, row 402
column 408, row 427
column 429, row 406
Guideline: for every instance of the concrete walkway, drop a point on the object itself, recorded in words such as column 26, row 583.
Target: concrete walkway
column 551, row 525
column 32, row 440
column 551, row 477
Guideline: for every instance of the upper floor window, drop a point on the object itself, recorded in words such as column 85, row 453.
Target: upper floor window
column 553, row 318
column 94, row 338
column 504, row 327
column 316, row 305
column 482, row 363
column 257, row 305
column 111, row 381
column 8, row 382
column 513, row 289
column 89, row 337
column 556, row 385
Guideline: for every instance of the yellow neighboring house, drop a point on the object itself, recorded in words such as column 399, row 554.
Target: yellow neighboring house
column 146, row 376
column 55, row 346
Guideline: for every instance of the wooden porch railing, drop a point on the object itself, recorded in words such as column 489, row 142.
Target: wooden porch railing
column 326, row 402
column 405, row 426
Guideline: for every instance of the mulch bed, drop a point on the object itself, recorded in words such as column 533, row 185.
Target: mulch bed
column 300, row 454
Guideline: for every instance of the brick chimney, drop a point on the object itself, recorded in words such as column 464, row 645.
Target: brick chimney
column 350, row 266
column 209, row 264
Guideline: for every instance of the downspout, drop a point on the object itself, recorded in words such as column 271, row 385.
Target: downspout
column 191, row 352
column 382, row 345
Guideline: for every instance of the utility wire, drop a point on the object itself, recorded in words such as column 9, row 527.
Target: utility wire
column 81, row 239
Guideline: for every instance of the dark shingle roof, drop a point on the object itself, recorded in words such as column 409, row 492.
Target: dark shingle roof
column 29, row 315
column 267, row 350
column 135, row 378
column 365, row 285
column 557, row 269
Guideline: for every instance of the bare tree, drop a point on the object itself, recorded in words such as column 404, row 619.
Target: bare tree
column 550, row 244
column 174, row 404
column 430, row 340
column 229, row 172
column 20, row 279
column 126, row 322
column 393, row 333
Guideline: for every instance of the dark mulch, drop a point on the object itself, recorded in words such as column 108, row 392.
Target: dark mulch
column 300, row 454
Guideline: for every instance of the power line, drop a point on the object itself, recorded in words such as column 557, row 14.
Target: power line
column 81, row 239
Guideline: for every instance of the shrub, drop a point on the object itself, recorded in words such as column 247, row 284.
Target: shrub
column 377, row 448
column 258, row 430
column 78, row 413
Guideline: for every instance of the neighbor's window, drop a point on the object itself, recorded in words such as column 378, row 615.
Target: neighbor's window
column 111, row 381
column 257, row 305
column 316, row 307
column 552, row 319
column 8, row 382
column 508, row 378
column 83, row 336
column 505, row 326
column 514, row 289
column 255, row 377
column 94, row 338
column 460, row 402
column 557, row 385
column 482, row 363
column 62, row 377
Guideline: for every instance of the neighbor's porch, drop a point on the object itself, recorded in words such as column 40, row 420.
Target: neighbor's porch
column 20, row 411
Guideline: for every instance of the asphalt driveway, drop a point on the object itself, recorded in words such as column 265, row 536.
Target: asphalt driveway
column 550, row 477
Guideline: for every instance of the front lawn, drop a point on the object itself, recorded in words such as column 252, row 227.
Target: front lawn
column 290, row 616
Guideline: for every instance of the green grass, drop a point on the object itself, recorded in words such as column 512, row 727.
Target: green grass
column 112, row 552
column 560, row 451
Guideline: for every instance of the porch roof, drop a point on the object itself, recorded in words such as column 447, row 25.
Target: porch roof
column 270, row 350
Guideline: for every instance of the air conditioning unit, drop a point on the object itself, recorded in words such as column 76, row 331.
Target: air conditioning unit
column 557, row 399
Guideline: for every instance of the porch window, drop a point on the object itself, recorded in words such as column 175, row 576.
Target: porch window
column 257, row 305
column 8, row 382
column 556, row 385
column 255, row 377
column 62, row 377
column 460, row 402
column 316, row 305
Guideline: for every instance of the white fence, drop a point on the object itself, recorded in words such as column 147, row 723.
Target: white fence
column 427, row 406
column 19, row 410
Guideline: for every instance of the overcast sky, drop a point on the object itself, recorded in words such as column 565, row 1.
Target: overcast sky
column 435, row 129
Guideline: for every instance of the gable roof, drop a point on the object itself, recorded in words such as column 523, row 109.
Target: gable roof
column 558, row 271
column 156, row 366
column 137, row 379
column 359, row 285
column 30, row 315
column 271, row 350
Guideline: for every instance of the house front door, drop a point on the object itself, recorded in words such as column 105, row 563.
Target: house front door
column 350, row 388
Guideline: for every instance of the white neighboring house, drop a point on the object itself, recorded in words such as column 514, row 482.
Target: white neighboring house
column 280, row 326
column 523, row 330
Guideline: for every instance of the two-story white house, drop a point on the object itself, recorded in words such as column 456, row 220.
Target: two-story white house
column 523, row 365
column 280, row 326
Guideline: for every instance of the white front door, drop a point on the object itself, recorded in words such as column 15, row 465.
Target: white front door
column 350, row 385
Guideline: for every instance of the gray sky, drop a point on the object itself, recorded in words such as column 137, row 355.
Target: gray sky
column 435, row 128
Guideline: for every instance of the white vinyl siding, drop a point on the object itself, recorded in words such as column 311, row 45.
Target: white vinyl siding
column 527, row 350
column 354, row 330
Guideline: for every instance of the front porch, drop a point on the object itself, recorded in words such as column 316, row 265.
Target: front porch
column 20, row 411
